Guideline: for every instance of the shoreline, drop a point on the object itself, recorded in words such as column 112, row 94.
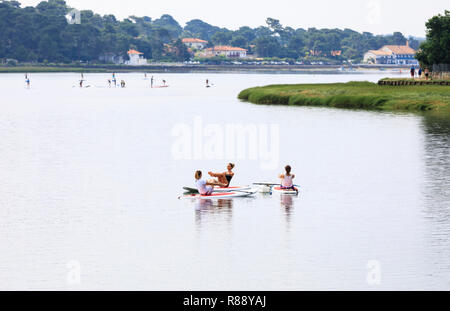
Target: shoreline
column 184, row 68
column 354, row 95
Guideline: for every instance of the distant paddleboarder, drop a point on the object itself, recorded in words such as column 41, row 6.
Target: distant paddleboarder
column 27, row 80
column 151, row 82
column 114, row 79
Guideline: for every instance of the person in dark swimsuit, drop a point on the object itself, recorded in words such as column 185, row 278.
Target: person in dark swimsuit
column 224, row 178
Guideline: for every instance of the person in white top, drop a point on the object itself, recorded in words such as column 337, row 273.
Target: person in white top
column 287, row 180
column 205, row 187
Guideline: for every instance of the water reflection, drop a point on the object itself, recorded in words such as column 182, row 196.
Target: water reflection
column 287, row 204
column 437, row 195
column 437, row 163
column 207, row 209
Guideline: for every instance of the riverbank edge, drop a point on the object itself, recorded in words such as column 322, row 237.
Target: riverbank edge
column 194, row 68
column 353, row 95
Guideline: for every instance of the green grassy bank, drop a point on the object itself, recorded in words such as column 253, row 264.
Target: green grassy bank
column 353, row 95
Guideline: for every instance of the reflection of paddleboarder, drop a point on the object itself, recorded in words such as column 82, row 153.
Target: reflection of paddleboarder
column 81, row 83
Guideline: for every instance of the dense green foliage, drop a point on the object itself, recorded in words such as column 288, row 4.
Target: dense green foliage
column 436, row 49
column 43, row 34
column 355, row 95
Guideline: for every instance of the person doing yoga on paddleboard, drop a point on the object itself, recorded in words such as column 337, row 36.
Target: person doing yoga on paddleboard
column 287, row 180
column 205, row 187
column 224, row 178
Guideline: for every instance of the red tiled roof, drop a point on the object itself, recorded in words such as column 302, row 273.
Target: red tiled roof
column 400, row 49
column 194, row 40
column 380, row 52
column 134, row 52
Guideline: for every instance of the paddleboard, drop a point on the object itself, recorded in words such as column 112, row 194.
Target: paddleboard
column 232, row 189
column 219, row 189
column 284, row 191
column 217, row 196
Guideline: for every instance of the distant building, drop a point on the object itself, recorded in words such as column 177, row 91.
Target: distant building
column 111, row 58
column 227, row 51
column 392, row 55
column 195, row 43
column 136, row 58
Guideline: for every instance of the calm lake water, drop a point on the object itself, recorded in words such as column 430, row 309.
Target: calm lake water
column 90, row 185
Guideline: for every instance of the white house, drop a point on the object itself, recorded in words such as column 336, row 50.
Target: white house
column 227, row 51
column 136, row 58
column 195, row 43
column 392, row 54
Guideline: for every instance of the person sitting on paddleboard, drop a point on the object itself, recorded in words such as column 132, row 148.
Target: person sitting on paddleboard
column 287, row 180
column 205, row 187
column 224, row 178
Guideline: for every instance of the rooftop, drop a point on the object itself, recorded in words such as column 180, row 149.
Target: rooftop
column 194, row 40
column 380, row 52
column 399, row 49
column 135, row 52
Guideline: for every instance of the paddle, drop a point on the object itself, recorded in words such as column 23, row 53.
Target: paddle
column 268, row 184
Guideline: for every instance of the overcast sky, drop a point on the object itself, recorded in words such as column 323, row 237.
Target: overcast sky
column 376, row 16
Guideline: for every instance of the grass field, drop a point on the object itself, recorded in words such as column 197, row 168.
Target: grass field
column 353, row 95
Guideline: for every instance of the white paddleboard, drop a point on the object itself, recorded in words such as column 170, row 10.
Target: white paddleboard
column 217, row 196
column 279, row 190
column 232, row 189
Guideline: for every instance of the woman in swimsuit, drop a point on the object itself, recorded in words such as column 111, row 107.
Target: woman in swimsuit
column 224, row 178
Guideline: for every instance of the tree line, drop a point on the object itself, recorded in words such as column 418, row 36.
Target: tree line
column 43, row 34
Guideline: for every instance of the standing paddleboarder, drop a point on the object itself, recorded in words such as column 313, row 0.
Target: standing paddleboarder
column 27, row 80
